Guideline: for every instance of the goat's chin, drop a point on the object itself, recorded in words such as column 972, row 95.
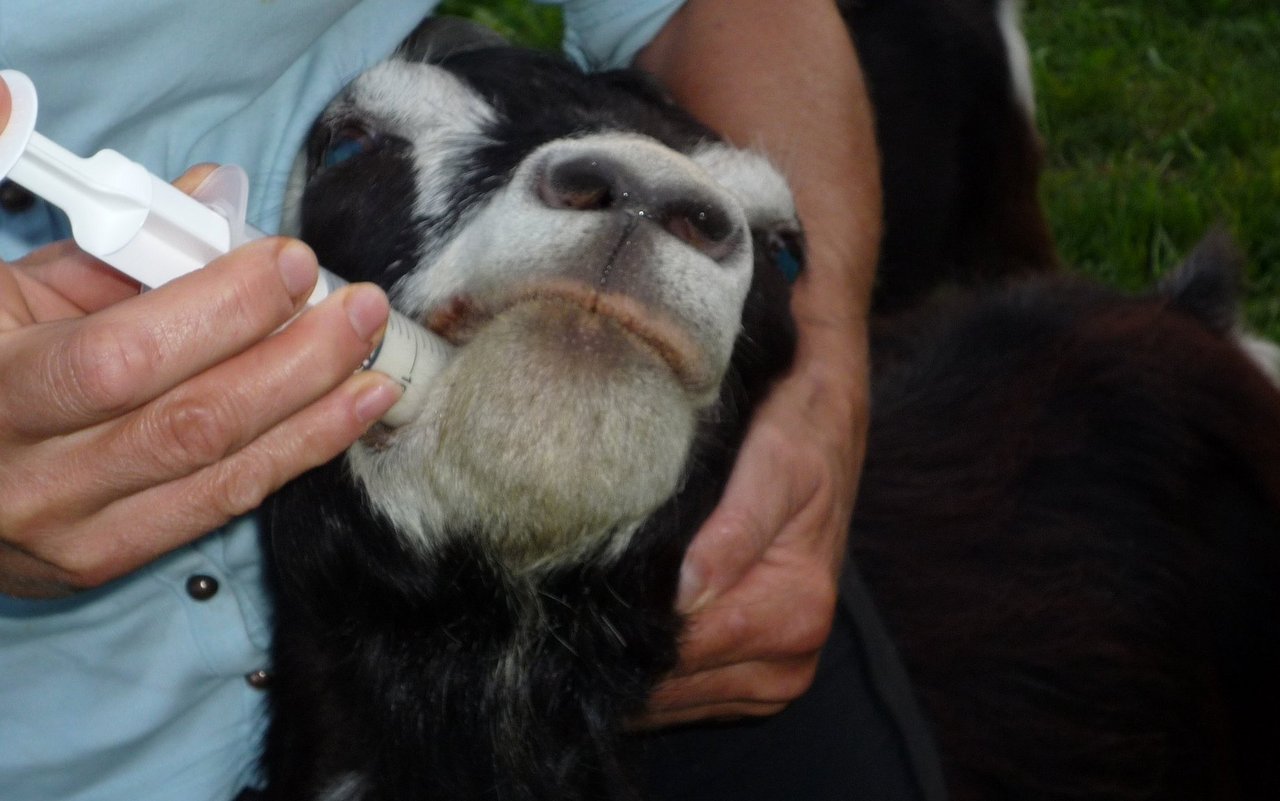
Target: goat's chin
column 553, row 435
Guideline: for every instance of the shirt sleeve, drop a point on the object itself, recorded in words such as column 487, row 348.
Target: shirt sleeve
column 607, row 34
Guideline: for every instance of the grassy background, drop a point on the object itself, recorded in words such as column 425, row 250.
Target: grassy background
column 1161, row 118
column 519, row 20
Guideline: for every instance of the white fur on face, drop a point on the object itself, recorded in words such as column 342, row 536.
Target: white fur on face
column 757, row 186
column 517, row 239
column 588, row 342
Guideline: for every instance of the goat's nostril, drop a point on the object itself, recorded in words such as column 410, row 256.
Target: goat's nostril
column 703, row 226
column 669, row 198
column 581, row 184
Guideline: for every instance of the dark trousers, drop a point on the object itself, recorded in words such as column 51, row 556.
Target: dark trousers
column 856, row 734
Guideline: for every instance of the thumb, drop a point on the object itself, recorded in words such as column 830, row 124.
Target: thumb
column 756, row 505
column 6, row 104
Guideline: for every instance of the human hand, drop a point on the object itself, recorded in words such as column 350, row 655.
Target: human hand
column 759, row 580
column 132, row 424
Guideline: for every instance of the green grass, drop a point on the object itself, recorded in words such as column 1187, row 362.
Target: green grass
column 1161, row 118
column 520, row 21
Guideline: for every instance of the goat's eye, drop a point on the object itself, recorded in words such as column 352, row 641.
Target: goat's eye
column 786, row 251
column 346, row 143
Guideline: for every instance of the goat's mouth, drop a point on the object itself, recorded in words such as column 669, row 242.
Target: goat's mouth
column 460, row 319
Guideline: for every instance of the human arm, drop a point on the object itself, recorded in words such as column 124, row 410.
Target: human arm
column 132, row 424
column 758, row 581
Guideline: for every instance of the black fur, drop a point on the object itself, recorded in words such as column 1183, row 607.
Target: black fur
column 1068, row 516
column 959, row 157
column 384, row 659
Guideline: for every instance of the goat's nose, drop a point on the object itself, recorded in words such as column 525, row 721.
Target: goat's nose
column 603, row 182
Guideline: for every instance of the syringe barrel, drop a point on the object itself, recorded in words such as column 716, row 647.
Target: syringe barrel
column 408, row 353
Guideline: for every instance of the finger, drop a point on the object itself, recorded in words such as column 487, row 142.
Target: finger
column 14, row 309
column 190, row 180
column 746, row 689
column 777, row 613
column 758, row 501
column 220, row 411
column 25, row 576
column 73, row 282
column 202, row 421
column 71, row 374
column 6, row 105
column 715, row 713
column 134, row 530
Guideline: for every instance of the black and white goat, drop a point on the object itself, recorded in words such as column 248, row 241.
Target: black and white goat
column 1070, row 515
column 473, row 604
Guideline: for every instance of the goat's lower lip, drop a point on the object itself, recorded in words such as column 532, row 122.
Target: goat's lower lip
column 461, row 318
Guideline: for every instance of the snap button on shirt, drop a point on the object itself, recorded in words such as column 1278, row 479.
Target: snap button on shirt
column 202, row 587
column 258, row 679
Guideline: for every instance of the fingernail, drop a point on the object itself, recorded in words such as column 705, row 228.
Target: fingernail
column 374, row 401
column 297, row 266
column 692, row 591
column 367, row 310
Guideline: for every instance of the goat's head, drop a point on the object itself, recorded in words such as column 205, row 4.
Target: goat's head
column 588, row 248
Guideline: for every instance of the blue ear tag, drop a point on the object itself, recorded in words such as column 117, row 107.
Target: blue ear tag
column 788, row 264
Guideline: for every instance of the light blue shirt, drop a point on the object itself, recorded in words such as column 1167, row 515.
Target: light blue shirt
column 138, row 690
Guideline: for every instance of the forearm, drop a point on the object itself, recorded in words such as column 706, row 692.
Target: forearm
column 783, row 77
column 758, row 583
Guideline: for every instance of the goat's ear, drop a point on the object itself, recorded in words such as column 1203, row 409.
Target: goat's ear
column 437, row 38
column 1207, row 284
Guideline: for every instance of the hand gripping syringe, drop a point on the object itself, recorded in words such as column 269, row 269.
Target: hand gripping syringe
column 154, row 233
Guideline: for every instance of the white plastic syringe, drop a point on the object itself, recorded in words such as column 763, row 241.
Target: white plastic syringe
column 154, row 233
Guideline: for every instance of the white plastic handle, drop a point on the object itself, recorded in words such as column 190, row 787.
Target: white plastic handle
column 22, row 119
